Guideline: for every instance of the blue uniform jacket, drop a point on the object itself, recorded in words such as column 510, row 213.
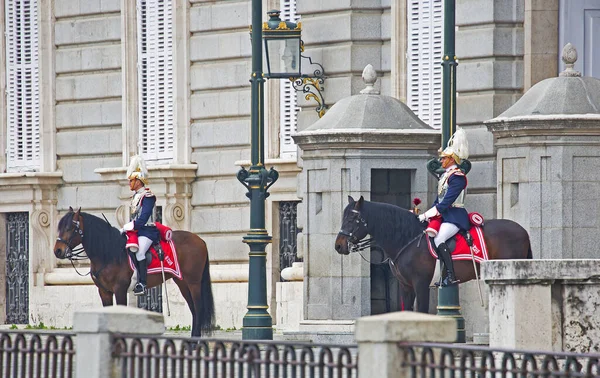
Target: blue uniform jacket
column 151, row 232
column 455, row 215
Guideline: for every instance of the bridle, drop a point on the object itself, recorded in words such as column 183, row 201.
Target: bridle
column 70, row 252
column 355, row 245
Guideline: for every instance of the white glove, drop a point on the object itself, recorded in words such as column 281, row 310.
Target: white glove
column 122, row 231
column 431, row 213
column 128, row 226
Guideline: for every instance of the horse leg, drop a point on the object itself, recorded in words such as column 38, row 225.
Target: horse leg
column 121, row 295
column 106, row 297
column 422, row 289
column 187, row 295
column 407, row 298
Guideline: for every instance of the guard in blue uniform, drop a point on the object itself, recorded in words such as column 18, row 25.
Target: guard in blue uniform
column 142, row 219
column 448, row 211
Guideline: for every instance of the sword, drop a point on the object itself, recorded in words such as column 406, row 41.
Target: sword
column 161, row 257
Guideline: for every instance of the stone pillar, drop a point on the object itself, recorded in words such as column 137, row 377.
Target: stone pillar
column 378, row 337
column 544, row 304
column 548, row 145
column 339, row 153
column 94, row 329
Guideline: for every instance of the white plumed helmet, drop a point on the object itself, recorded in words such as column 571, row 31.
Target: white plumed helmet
column 458, row 147
column 137, row 169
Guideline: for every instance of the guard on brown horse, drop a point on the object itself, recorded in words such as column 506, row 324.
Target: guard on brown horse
column 448, row 215
column 110, row 270
column 141, row 231
column 400, row 234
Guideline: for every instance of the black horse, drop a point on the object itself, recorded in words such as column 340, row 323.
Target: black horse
column 401, row 236
column 105, row 247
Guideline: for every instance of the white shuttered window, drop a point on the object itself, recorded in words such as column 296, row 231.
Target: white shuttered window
column 22, row 86
column 155, row 79
column 425, row 49
column 288, row 103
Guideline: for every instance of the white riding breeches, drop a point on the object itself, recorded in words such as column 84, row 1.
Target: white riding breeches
column 447, row 230
column 144, row 244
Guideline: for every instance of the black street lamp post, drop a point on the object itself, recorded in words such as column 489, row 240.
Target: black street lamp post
column 283, row 47
column 257, row 323
column 448, row 296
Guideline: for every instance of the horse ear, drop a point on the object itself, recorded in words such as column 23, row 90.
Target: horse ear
column 350, row 200
column 359, row 203
column 79, row 211
column 71, row 209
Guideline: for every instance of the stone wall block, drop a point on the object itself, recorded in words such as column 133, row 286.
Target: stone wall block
column 473, row 12
column 220, row 104
column 66, row 8
column 88, row 58
column 107, row 28
column 490, row 75
column 218, row 133
column 88, row 114
column 209, row 17
column 309, row 7
column 220, row 75
column 488, row 42
column 94, row 86
column 210, row 47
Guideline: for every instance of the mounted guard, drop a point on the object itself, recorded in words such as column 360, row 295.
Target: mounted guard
column 141, row 231
column 448, row 214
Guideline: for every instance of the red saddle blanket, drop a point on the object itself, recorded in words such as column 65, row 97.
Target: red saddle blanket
column 171, row 263
column 461, row 250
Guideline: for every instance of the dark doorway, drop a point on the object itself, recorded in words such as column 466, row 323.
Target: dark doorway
column 391, row 186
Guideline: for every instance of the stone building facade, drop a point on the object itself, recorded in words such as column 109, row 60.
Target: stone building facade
column 90, row 83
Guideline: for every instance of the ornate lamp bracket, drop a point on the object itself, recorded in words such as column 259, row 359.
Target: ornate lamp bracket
column 312, row 84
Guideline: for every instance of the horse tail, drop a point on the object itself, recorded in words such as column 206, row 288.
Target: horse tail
column 206, row 317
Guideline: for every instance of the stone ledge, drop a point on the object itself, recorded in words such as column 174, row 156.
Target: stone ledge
column 368, row 139
column 156, row 172
column 405, row 326
column 534, row 272
column 15, row 179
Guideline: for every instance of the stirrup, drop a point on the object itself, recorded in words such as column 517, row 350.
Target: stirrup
column 447, row 282
column 139, row 289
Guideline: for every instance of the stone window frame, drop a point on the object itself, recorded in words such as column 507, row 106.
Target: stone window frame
column 181, row 72
column 47, row 90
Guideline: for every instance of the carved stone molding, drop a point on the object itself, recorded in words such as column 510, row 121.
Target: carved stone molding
column 174, row 213
column 122, row 215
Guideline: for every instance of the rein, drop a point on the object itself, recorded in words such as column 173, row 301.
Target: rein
column 364, row 244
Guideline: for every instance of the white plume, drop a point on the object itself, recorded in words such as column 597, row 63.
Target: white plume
column 459, row 143
column 137, row 164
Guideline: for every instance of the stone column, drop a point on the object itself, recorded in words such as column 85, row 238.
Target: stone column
column 378, row 337
column 357, row 135
column 94, row 329
column 547, row 150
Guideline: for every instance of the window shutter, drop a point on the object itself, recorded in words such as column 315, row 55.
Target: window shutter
column 23, row 86
column 155, row 79
column 288, row 104
column 425, row 49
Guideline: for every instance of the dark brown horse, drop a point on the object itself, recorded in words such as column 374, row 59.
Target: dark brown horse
column 400, row 235
column 105, row 247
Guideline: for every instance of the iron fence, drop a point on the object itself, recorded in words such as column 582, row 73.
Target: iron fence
column 450, row 360
column 36, row 354
column 192, row 357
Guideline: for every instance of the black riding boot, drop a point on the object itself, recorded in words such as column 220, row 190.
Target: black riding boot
column 140, row 286
column 446, row 258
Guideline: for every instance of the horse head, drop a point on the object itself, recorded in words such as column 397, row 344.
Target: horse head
column 70, row 234
column 354, row 227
